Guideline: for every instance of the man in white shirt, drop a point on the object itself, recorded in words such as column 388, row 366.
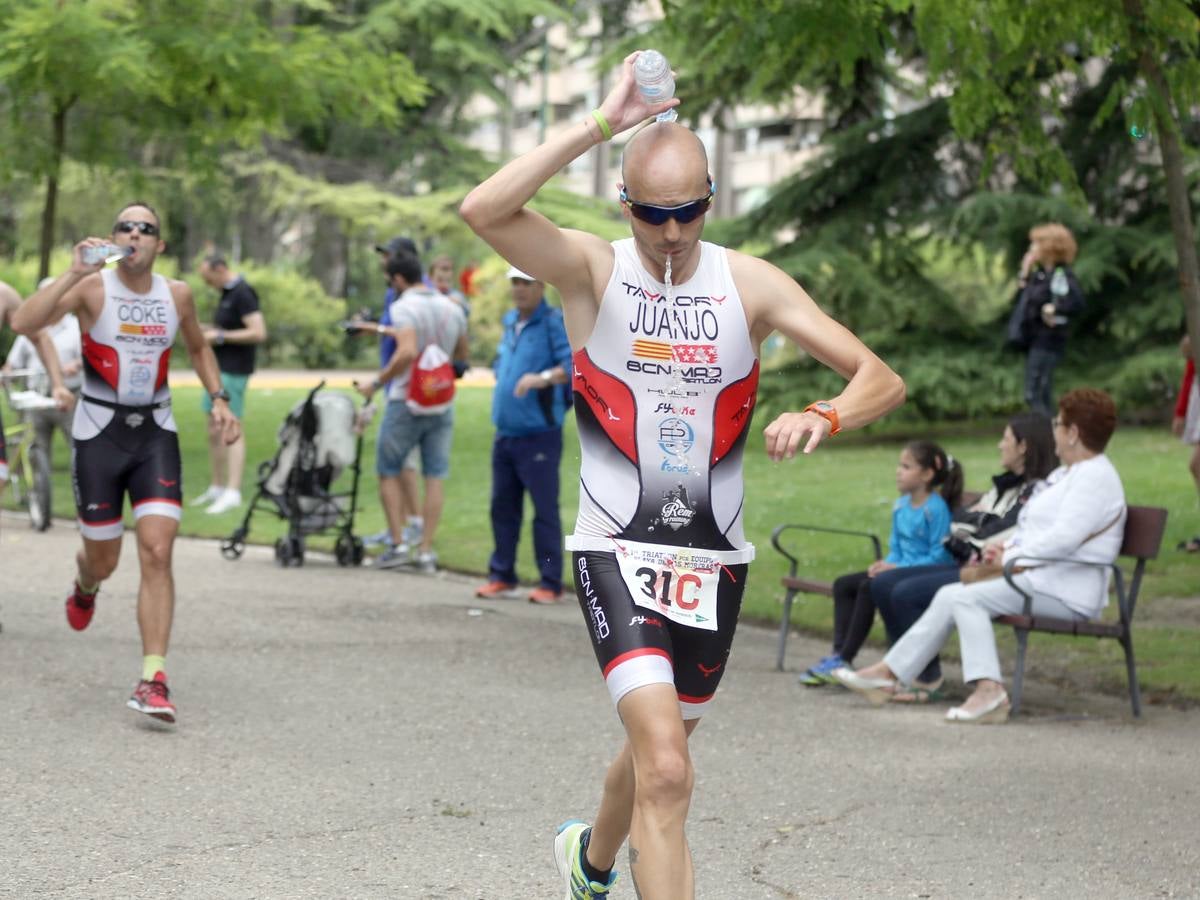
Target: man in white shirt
column 24, row 356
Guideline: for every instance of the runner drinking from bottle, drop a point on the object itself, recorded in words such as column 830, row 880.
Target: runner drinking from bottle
column 124, row 430
column 666, row 331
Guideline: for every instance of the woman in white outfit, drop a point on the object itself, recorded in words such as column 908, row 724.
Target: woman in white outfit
column 1078, row 517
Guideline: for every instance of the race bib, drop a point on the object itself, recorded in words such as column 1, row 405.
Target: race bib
column 677, row 583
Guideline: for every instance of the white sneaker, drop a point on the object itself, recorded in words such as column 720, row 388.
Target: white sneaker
column 211, row 493
column 394, row 558
column 379, row 538
column 229, row 499
column 413, row 533
column 426, row 562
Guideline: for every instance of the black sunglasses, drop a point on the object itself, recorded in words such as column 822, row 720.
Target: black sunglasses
column 127, row 227
column 683, row 213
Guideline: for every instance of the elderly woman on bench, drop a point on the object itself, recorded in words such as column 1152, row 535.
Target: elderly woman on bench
column 1078, row 517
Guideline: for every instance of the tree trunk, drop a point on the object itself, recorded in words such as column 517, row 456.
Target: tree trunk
column 50, row 209
column 8, row 221
column 330, row 254
column 1179, row 203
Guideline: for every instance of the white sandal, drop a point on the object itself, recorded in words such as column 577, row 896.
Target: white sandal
column 878, row 691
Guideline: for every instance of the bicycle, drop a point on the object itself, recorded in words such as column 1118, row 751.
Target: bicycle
column 28, row 464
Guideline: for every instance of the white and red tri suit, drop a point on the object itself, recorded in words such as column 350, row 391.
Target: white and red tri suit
column 124, row 430
column 665, row 388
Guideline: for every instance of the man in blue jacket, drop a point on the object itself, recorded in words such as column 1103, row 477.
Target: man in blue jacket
column 528, row 407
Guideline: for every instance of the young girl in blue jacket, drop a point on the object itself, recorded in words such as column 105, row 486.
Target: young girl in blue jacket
column 930, row 483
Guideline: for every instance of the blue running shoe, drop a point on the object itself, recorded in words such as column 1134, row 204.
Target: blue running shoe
column 567, row 847
column 822, row 672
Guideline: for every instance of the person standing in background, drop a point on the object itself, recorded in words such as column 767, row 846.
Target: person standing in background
column 410, row 493
column 237, row 330
column 441, row 274
column 1050, row 297
column 528, row 407
column 24, row 355
column 420, row 317
column 1186, row 424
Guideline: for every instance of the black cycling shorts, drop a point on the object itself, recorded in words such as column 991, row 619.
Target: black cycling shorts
column 143, row 461
column 636, row 647
column 3, row 454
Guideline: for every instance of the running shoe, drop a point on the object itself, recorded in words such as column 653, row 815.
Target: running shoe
column 211, row 493
column 80, row 607
column 394, row 557
column 153, row 698
column 413, row 533
column 568, row 845
column 544, row 596
column 382, row 537
column 822, row 672
column 426, row 561
column 229, row 499
column 495, row 589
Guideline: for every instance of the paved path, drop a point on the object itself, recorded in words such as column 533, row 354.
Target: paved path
column 351, row 733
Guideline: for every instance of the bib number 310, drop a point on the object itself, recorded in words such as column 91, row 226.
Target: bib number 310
column 686, row 596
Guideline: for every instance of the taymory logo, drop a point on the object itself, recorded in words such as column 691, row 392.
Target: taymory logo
column 595, row 396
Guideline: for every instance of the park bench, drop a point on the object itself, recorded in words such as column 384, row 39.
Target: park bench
column 793, row 584
column 1144, row 527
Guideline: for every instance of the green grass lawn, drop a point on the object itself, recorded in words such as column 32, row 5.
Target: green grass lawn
column 848, row 483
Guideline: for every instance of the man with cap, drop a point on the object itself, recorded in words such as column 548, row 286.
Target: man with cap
column 410, row 498
column 528, row 407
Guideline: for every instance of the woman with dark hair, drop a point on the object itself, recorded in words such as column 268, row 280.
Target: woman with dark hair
column 902, row 595
column 930, row 484
column 1079, row 517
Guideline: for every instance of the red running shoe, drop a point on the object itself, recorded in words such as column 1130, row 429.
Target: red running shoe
column 494, row 589
column 80, row 607
column 544, row 596
column 153, row 698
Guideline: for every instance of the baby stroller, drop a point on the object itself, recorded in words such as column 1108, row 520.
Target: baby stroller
column 318, row 439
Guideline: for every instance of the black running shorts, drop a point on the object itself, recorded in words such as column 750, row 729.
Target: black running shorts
column 143, row 461
column 635, row 646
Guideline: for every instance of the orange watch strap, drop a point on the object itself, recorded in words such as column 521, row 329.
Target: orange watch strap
column 826, row 411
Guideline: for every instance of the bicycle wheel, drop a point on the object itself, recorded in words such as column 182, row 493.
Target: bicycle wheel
column 39, row 490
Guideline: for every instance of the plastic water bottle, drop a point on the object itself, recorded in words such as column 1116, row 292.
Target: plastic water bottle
column 653, row 75
column 105, row 253
column 1059, row 286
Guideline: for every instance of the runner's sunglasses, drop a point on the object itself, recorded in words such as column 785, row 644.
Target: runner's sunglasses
column 127, row 227
column 658, row 215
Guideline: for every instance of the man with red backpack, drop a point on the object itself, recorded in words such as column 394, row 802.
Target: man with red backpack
column 431, row 333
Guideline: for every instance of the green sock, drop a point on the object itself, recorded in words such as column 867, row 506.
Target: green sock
column 152, row 665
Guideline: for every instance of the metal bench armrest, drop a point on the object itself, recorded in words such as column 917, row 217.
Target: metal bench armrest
column 775, row 540
column 1016, row 561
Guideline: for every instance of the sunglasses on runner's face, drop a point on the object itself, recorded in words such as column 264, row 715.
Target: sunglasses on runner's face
column 126, row 227
column 658, row 215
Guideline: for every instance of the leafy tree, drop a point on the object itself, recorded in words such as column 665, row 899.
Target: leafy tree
column 129, row 86
column 904, row 223
column 993, row 52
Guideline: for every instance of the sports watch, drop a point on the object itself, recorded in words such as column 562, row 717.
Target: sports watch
column 222, row 394
column 826, row 411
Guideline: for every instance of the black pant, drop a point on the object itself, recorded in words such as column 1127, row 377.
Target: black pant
column 853, row 614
